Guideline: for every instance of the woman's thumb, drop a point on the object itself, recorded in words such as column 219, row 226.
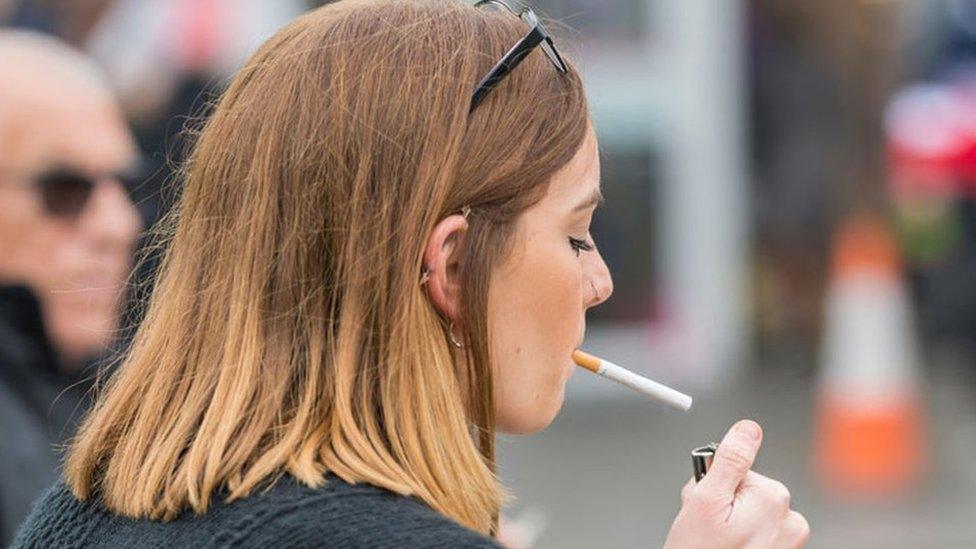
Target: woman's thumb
column 734, row 457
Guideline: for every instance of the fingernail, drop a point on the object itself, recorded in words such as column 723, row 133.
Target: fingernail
column 750, row 428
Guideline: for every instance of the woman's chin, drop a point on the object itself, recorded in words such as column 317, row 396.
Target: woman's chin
column 534, row 420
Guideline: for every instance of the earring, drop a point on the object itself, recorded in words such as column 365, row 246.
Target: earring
column 450, row 333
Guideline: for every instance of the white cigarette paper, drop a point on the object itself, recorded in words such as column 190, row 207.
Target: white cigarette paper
column 641, row 384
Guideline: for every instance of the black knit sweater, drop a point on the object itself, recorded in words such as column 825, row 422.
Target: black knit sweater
column 287, row 515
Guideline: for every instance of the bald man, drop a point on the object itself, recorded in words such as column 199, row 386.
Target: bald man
column 67, row 231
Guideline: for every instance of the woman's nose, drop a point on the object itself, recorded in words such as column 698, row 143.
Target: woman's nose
column 601, row 282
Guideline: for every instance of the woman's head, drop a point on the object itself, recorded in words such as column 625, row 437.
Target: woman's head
column 539, row 291
column 288, row 331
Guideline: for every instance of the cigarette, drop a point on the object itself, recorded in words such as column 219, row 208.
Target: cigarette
column 636, row 382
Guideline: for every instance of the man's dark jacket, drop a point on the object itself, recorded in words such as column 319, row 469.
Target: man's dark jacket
column 40, row 406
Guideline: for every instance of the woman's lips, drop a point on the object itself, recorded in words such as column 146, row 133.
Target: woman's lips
column 572, row 365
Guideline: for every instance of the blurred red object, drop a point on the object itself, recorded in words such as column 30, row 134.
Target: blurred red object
column 930, row 139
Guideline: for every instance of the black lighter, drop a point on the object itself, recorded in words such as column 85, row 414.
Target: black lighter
column 701, row 459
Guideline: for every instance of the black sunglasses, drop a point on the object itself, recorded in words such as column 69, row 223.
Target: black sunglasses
column 536, row 36
column 65, row 191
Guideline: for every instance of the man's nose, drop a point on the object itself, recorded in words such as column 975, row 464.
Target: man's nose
column 111, row 217
column 601, row 281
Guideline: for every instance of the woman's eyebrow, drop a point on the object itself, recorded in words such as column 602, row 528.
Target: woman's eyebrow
column 595, row 198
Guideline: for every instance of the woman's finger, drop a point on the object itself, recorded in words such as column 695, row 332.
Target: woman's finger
column 686, row 490
column 734, row 457
column 796, row 530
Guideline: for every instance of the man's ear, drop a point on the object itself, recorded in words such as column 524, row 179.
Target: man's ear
column 442, row 257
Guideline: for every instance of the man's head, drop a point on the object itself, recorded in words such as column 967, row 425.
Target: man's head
column 67, row 226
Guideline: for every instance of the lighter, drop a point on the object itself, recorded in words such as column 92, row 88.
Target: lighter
column 701, row 459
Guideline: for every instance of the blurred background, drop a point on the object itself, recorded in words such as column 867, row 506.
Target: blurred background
column 790, row 223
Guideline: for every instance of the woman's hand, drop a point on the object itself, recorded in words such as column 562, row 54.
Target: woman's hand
column 735, row 507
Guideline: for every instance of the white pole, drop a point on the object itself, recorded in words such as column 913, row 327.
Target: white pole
column 705, row 235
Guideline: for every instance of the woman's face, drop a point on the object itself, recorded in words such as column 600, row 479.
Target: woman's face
column 539, row 296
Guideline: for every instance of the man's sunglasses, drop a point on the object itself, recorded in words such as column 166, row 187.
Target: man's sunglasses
column 536, row 36
column 66, row 191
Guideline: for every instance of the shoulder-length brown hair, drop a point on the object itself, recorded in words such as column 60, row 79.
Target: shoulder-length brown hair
column 287, row 332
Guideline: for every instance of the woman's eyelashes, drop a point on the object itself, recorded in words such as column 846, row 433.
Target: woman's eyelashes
column 580, row 245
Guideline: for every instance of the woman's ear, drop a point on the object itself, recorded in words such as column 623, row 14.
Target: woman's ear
column 442, row 258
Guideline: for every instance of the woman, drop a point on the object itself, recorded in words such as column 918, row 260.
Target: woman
column 373, row 267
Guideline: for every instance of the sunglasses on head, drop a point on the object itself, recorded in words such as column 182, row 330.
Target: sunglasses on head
column 537, row 36
column 65, row 191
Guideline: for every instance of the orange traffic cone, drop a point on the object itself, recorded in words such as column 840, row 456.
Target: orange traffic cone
column 870, row 427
